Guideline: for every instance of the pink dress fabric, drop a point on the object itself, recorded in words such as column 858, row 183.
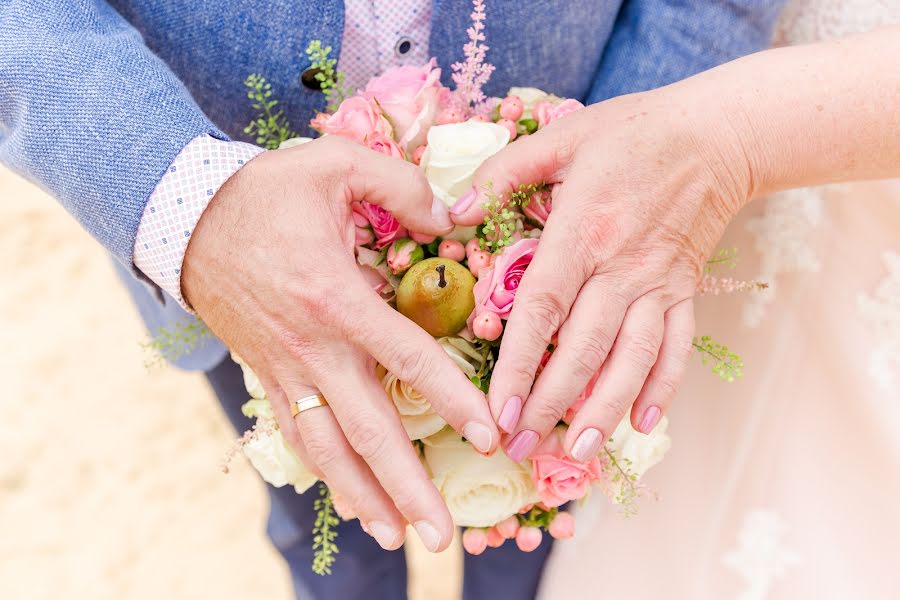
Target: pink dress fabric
column 786, row 483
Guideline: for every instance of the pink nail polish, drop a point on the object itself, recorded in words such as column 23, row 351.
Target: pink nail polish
column 509, row 416
column 464, row 202
column 650, row 419
column 522, row 445
column 587, row 445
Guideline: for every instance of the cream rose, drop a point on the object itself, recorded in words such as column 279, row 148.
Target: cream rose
column 454, row 153
column 416, row 413
column 297, row 141
column 637, row 451
column 276, row 463
column 531, row 96
column 480, row 491
column 251, row 381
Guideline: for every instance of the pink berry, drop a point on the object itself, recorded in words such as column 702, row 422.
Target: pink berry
column 528, row 538
column 421, row 238
column 481, row 119
column 474, row 540
column 487, row 326
column 563, row 526
column 471, row 246
column 511, row 126
column 478, row 261
column 512, row 108
column 452, row 249
column 417, row 154
column 450, row 115
column 494, row 539
column 508, row 527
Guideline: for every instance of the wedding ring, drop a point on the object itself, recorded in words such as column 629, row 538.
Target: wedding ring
column 306, row 403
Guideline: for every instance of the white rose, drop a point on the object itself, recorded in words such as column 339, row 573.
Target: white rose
column 251, row 381
column 637, row 451
column 480, row 491
column 416, row 413
column 297, row 141
column 455, row 152
column 276, row 463
column 531, row 96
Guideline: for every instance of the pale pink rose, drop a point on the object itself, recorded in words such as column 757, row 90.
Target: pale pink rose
column 386, row 228
column 547, row 112
column 356, row 119
column 497, row 284
column 384, row 145
column 538, row 209
column 579, row 402
column 557, row 477
column 409, row 96
column 563, row 526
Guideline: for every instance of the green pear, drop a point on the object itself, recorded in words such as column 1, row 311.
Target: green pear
column 437, row 295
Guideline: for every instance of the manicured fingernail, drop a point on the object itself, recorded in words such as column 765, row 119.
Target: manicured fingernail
column 464, row 202
column 440, row 214
column 509, row 416
column 522, row 445
column 384, row 534
column 650, row 419
column 587, row 445
column 479, row 435
column 428, row 534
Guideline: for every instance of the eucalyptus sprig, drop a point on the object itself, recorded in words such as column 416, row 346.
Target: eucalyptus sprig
column 331, row 81
column 173, row 343
column 725, row 363
column 269, row 127
column 500, row 222
column 324, row 532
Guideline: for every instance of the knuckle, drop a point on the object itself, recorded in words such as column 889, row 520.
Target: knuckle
column 367, row 436
column 546, row 313
column 666, row 388
column 548, row 410
column 593, row 350
column 642, row 350
column 411, row 367
column 322, row 450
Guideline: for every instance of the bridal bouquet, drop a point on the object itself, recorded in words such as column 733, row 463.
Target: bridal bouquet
column 460, row 289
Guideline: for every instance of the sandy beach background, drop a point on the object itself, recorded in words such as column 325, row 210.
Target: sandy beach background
column 109, row 475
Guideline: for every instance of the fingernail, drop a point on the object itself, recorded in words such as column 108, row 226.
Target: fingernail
column 384, row 534
column 587, row 445
column 464, row 202
column 479, row 435
column 440, row 214
column 428, row 534
column 650, row 419
column 509, row 416
column 522, row 445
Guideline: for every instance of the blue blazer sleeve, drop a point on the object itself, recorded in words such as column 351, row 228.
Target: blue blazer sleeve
column 658, row 42
column 89, row 113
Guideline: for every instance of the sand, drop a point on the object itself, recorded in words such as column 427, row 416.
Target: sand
column 109, row 478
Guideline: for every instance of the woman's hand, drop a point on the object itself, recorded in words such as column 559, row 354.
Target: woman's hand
column 643, row 196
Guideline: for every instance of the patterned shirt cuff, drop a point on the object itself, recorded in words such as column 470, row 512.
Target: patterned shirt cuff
column 177, row 202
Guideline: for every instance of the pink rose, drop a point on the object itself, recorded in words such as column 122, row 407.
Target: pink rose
column 547, row 112
column 385, row 227
column 557, row 477
column 539, row 208
column 403, row 254
column 497, row 284
column 356, row 119
column 362, row 230
column 579, row 402
column 409, row 97
column 385, row 145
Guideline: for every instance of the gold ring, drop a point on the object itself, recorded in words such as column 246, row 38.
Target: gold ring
column 306, row 403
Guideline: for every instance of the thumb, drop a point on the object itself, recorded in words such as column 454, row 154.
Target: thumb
column 531, row 159
column 399, row 187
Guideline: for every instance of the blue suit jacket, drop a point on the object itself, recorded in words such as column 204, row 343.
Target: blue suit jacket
column 98, row 97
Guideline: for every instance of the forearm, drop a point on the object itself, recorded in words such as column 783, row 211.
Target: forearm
column 806, row 115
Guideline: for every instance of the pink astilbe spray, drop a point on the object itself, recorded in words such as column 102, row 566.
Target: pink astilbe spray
column 471, row 74
column 714, row 286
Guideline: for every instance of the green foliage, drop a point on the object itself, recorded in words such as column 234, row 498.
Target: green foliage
column 500, row 221
column 270, row 128
column 324, row 534
column 331, row 81
column 725, row 258
column 172, row 344
column 725, row 363
column 537, row 517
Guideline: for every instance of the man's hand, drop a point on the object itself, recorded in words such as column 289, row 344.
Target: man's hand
column 270, row 268
column 642, row 198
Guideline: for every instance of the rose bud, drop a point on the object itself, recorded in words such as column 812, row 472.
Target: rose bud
column 452, row 249
column 508, row 527
column 479, row 260
column 403, row 254
column 421, row 238
column 474, row 540
column 417, row 154
column 487, row 326
column 511, row 108
column 472, row 245
column 563, row 526
column 511, row 127
column 494, row 539
column 528, row 538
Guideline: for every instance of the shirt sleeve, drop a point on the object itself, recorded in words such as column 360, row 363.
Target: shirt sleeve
column 178, row 201
column 89, row 113
column 658, row 42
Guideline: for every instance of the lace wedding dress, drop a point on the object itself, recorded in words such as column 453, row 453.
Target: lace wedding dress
column 786, row 483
